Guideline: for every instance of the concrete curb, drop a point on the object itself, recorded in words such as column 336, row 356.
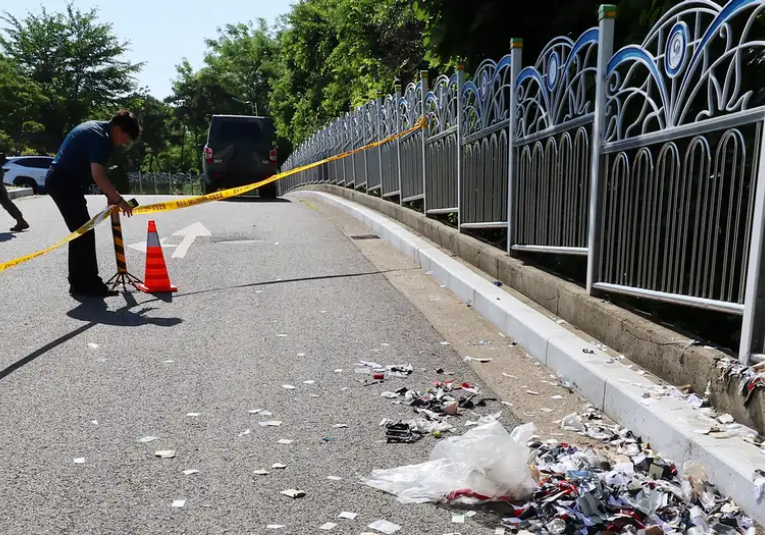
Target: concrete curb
column 669, row 425
column 21, row 192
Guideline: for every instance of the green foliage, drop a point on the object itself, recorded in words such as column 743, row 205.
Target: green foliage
column 20, row 102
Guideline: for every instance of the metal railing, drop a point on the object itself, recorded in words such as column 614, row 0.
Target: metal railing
column 156, row 183
column 648, row 160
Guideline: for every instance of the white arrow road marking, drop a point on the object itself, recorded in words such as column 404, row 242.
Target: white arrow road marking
column 142, row 246
column 189, row 234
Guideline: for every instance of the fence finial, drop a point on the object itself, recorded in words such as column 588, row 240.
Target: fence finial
column 516, row 42
column 607, row 11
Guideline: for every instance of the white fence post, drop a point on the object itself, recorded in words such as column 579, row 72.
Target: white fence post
column 460, row 86
column 516, row 60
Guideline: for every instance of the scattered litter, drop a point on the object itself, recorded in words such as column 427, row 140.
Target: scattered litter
column 557, row 397
column 508, row 375
column 498, row 284
column 94, row 422
column 481, row 343
column 282, row 335
column 362, row 371
column 165, row 454
column 402, row 433
column 481, row 360
column 348, row 516
column 285, row 441
column 507, row 403
column 389, row 395
column 245, row 432
column 545, row 409
column 179, row 503
column 334, row 478
column 486, row 463
column 759, row 486
column 309, row 382
column 261, row 472
column 278, row 466
column 328, row 526
column 483, row 420
column 146, row 440
column 192, row 414
column 444, row 343
column 301, row 354
column 92, row 345
column 293, row 493
column 167, row 361
column 271, row 423
column 499, row 531
column 288, row 387
column 750, row 378
column 339, row 370
column 383, row 526
column 532, row 392
column 328, row 439
column 458, row 519
column 340, row 426
column 275, row 526
column 79, row 460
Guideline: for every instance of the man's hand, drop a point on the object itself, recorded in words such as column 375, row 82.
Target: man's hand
column 122, row 204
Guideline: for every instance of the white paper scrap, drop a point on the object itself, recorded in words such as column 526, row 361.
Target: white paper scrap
column 261, row 472
column 383, row 526
column 270, row 424
column 179, row 503
column 94, row 422
column 79, row 460
column 91, row 345
column 499, row 531
column 275, row 526
column 285, row 441
column 309, row 382
column 340, row 426
column 165, row 454
column 348, row 516
column 328, row 526
column 146, row 440
column 293, row 493
column 532, row 392
column 458, row 519
column 334, row 478
column 190, row 472
column 557, row 397
column 192, row 414
column 288, row 387
column 278, row 466
column 245, row 432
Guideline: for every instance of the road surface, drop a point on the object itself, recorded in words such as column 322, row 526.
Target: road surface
column 278, row 294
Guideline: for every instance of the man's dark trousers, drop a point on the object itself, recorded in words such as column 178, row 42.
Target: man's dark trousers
column 7, row 203
column 68, row 193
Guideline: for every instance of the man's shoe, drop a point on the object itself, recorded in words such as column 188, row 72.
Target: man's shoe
column 98, row 290
column 20, row 225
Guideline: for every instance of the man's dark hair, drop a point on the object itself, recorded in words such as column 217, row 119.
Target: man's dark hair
column 127, row 122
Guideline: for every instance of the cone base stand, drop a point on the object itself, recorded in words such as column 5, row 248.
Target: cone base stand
column 166, row 289
column 124, row 278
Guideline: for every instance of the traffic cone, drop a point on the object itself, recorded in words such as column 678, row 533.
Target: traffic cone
column 157, row 280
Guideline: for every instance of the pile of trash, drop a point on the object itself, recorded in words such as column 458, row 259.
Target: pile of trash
column 751, row 378
column 618, row 486
column 434, row 408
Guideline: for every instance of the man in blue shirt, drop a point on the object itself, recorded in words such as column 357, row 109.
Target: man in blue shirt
column 80, row 162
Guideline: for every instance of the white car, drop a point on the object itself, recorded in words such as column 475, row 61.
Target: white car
column 27, row 171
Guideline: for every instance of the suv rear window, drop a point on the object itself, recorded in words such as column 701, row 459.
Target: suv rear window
column 241, row 131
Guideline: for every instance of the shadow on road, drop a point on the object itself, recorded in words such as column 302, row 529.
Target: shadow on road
column 6, row 236
column 96, row 312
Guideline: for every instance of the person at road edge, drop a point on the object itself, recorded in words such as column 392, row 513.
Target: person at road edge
column 79, row 163
column 7, row 203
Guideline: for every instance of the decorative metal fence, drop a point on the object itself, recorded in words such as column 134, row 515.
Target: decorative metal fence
column 165, row 183
column 648, row 160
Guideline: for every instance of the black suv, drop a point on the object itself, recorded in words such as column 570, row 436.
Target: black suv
column 240, row 150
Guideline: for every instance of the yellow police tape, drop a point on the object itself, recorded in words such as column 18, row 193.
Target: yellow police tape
column 202, row 199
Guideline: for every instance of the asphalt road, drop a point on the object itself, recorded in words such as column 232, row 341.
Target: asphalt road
column 276, row 296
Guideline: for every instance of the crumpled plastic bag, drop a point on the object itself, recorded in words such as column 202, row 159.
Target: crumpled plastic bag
column 485, row 464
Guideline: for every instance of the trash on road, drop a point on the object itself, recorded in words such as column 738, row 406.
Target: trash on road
column 751, row 378
column 293, row 493
column 288, row 387
column 339, row 370
column 92, row 345
column 192, row 414
column 146, row 440
column 334, row 478
column 487, row 463
column 473, row 359
column 389, row 395
column 79, row 460
column 340, row 426
column 328, row 526
column 278, row 466
column 309, row 382
column 275, row 526
column 165, row 454
column 383, row 526
column 94, row 422
column 285, row 441
column 402, row 433
column 348, row 516
column 270, row 423
column 179, row 503
column 190, row 472
column 458, row 519
column 261, row 472
column 245, row 432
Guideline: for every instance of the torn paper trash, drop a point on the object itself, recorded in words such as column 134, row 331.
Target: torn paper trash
column 486, row 461
column 348, row 516
column 383, row 526
column 293, row 493
column 165, row 454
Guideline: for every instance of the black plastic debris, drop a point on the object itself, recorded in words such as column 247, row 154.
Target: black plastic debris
column 402, row 433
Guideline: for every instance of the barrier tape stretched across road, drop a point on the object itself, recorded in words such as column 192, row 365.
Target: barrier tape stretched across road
column 202, row 199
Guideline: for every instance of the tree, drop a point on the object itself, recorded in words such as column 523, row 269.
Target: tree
column 20, row 101
column 75, row 61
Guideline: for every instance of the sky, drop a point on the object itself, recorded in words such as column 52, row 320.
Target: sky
column 162, row 32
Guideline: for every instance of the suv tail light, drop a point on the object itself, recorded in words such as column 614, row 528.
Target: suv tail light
column 208, row 154
column 272, row 155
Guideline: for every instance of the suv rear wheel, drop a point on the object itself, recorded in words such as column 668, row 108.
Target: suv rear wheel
column 27, row 182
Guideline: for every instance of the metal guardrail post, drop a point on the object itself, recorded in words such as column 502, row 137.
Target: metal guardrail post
column 379, row 138
column 398, row 141
column 460, row 111
column 607, row 16
column 424, row 131
column 516, row 59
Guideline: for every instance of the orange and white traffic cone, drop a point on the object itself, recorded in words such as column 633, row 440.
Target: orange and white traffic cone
column 157, row 279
